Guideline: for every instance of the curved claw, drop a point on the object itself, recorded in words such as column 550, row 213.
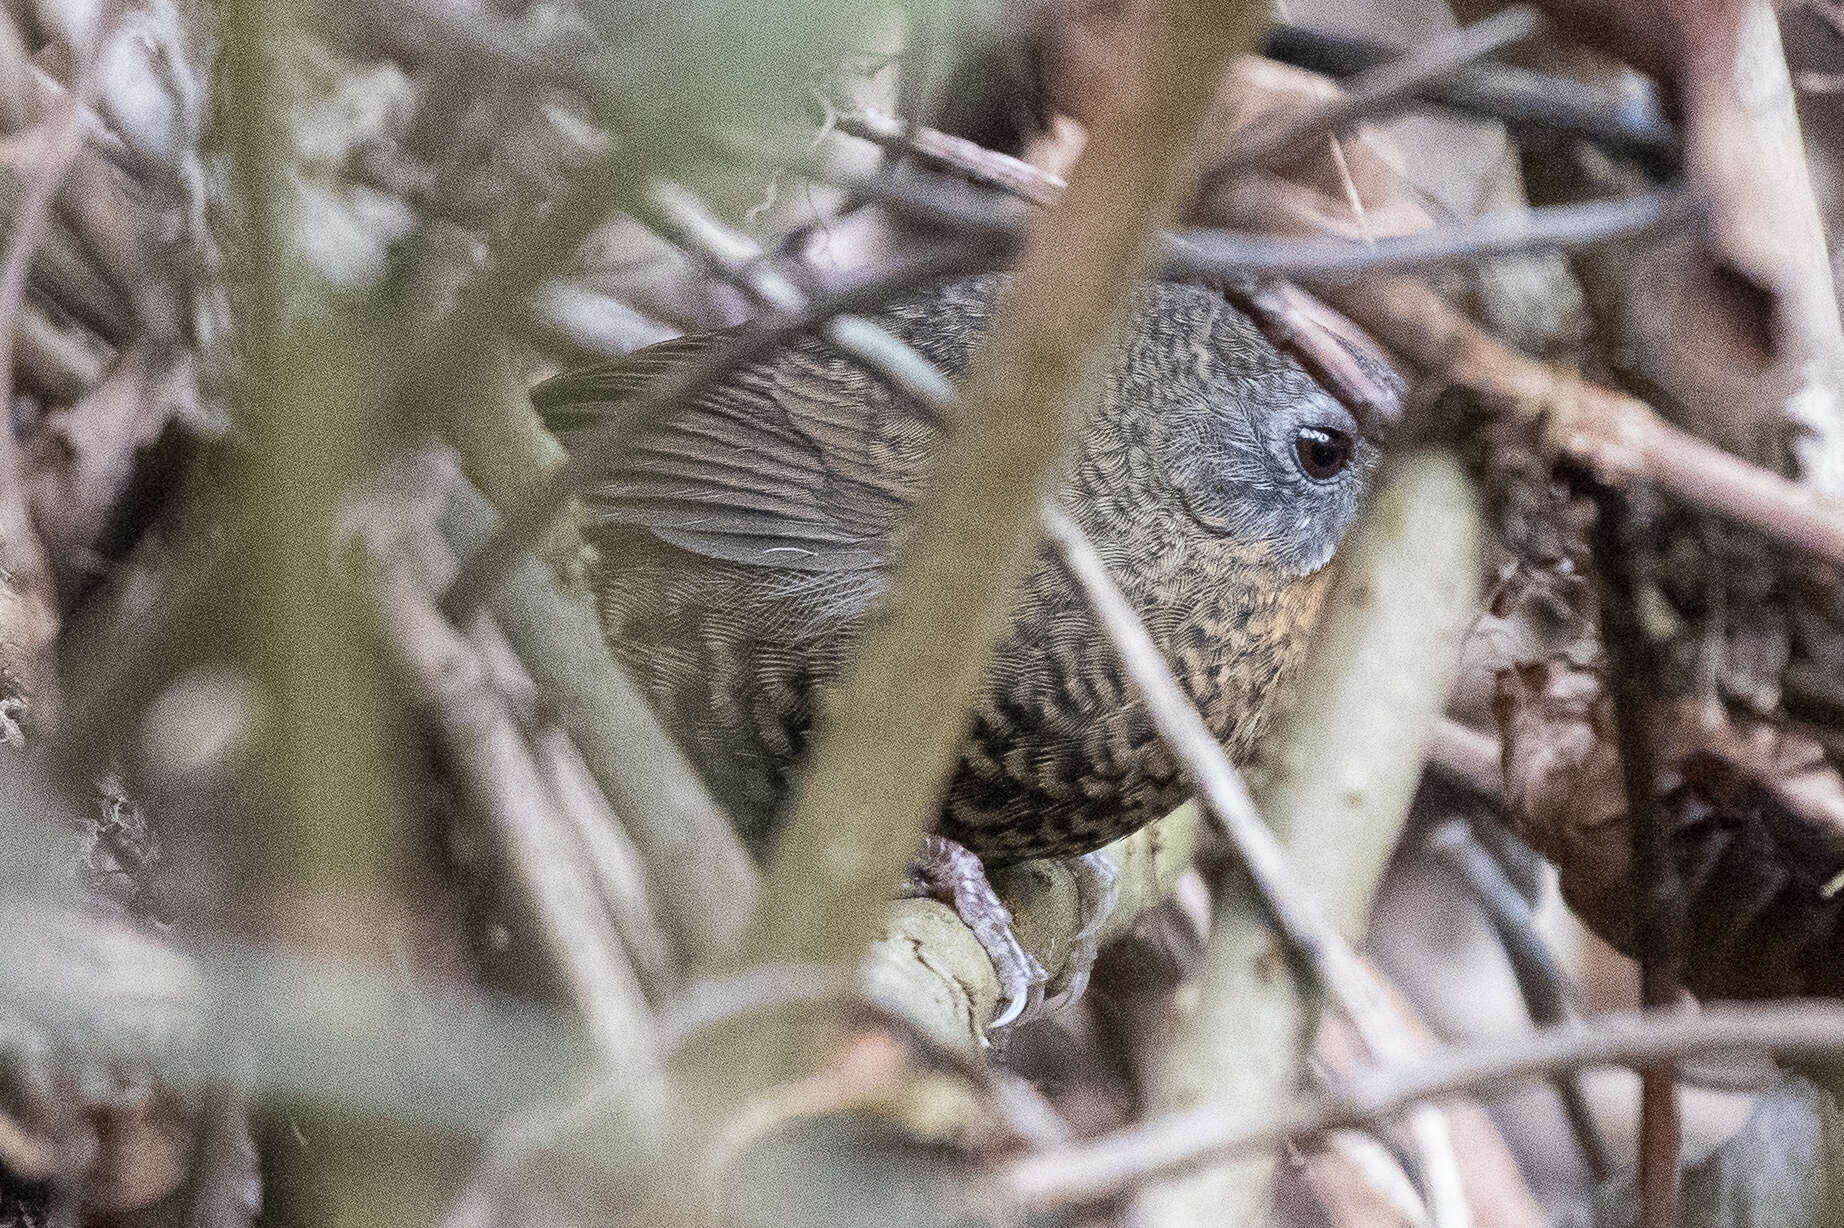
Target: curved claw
column 1097, row 892
column 1021, row 981
column 945, row 870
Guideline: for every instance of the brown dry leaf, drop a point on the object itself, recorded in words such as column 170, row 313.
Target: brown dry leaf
column 1562, row 784
column 1789, row 768
column 1757, row 829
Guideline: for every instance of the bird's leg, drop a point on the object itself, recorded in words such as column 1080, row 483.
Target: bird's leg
column 946, row 871
column 1097, row 892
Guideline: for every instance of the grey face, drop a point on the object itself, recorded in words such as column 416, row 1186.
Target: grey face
column 1255, row 447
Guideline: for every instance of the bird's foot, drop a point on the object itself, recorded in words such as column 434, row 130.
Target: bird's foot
column 946, row 871
column 1097, row 892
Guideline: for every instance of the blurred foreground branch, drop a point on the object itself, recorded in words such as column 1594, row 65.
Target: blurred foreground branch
column 873, row 780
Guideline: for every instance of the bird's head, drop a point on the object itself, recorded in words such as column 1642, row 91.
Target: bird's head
column 1251, row 446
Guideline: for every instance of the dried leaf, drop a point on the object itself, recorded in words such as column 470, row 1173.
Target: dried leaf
column 1756, row 817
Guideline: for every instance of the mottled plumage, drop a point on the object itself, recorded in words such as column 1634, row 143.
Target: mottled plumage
column 744, row 539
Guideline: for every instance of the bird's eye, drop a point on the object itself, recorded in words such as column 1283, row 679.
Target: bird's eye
column 1323, row 452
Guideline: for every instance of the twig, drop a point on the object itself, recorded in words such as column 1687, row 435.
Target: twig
column 614, row 873
column 1203, row 253
column 1103, row 1166
column 1326, row 345
column 740, row 260
column 1628, row 122
column 1288, row 316
column 1656, row 891
column 1539, row 980
column 1224, row 254
column 703, row 877
column 614, row 862
column 499, row 770
column 1306, row 928
column 982, row 165
column 1308, row 931
column 1374, row 92
column 1617, row 438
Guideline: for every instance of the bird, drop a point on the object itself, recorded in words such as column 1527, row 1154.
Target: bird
column 744, row 539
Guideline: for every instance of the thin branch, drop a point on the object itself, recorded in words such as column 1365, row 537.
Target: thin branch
column 740, row 261
column 1104, row 1166
column 1305, row 927
column 1374, row 93
column 1617, row 438
column 703, row 877
column 1657, row 894
column 1287, row 315
column 1204, row 253
column 982, row 165
column 1625, row 122
column 1308, row 931
column 1540, row 981
column 499, row 770
column 1323, row 342
column 1225, row 254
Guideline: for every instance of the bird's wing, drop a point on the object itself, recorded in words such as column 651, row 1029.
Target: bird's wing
column 802, row 460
